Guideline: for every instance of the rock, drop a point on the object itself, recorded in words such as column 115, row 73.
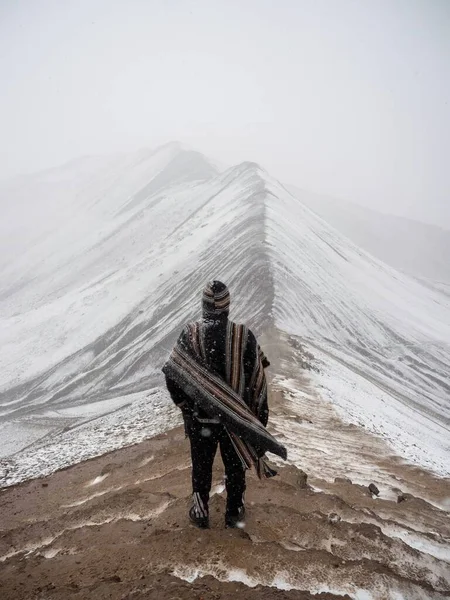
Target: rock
column 295, row 477
column 4, row 470
column 302, row 479
column 45, row 484
column 374, row 490
column 342, row 480
column 401, row 497
column 107, row 469
column 334, row 518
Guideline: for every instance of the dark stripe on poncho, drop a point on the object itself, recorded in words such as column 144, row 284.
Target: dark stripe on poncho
column 187, row 366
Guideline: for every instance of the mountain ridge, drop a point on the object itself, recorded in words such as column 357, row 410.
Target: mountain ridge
column 109, row 293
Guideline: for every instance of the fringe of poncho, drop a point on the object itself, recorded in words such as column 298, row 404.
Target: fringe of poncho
column 187, row 366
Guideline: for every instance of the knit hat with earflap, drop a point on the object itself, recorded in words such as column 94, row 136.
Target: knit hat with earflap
column 215, row 300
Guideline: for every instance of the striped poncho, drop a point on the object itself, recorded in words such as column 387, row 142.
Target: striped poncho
column 238, row 406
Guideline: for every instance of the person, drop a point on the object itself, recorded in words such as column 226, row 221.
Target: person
column 215, row 375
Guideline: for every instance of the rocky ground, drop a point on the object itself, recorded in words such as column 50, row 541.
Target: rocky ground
column 116, row 527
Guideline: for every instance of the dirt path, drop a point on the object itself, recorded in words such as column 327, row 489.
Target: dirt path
column 116, row 526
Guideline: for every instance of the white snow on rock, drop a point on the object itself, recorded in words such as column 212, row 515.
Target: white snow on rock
column 285, row 580
column 363, row 402
column 143, row 417
column 97, row 480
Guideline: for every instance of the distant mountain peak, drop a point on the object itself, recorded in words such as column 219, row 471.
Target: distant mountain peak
column 246, row 169
column 173, row 145
column 249, row 165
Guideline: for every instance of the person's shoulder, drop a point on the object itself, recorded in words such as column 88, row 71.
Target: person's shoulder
column 195, row 328
column 190, row 325
column 251, row 338
column 188, row 330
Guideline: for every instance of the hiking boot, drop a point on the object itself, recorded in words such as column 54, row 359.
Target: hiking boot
column 197, row 520
column 237, row 520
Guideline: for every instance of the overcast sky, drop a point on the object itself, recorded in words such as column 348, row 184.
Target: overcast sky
column 346, row 97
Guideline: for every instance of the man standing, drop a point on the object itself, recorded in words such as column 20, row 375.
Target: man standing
column 215, row 375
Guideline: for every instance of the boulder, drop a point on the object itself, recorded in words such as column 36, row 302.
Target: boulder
column 302, row 479
column 295, row 477
column 333, row 518
column 342, row 480
column 374, row 490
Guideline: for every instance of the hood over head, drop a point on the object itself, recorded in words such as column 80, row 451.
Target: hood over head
column 215, row 300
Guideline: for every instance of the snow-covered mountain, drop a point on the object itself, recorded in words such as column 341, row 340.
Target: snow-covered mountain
column 104, row 259
column 419, row 249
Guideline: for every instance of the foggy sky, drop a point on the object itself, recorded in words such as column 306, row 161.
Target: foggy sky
column 349, row 98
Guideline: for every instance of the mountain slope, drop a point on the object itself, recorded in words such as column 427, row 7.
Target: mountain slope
column 90, row 310
column 383, row 335
column 416, row 248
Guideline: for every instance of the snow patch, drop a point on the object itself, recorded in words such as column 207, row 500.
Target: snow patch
column 360, row 401
column 97, row 480
column 281, row 581
column 218, row 489
column 148, row 515
column 145, row 415
column 145, row 461
column 30, row 548
column 439, row 550
column 50, row 553
column 91, row 497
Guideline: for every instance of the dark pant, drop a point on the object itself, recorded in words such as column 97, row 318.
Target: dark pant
column 204, row 440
